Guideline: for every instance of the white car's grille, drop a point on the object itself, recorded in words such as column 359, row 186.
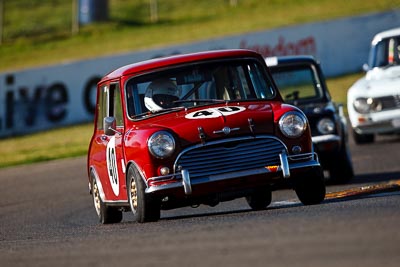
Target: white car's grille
column 397, row 100
column 230, row 155
column 389, row 102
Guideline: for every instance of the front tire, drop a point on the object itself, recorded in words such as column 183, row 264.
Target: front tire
column 145, row 208
column 310, row 189
column 105, row 213
column 341, row 171
column 260, row 199
column 363, row 138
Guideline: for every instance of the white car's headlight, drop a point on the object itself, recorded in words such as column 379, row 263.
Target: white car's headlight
column 366, row 105
column 326, row 126
column 293, row 124
column 161, row 144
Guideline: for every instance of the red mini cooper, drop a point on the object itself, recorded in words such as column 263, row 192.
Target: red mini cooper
column 196, row 129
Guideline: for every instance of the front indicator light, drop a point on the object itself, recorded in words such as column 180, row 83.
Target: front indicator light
column 164, row 171
column 296, row 149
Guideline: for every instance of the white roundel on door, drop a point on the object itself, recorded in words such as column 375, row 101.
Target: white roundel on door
column 112, row 170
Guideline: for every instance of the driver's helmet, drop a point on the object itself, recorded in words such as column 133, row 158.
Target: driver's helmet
column 161, row 94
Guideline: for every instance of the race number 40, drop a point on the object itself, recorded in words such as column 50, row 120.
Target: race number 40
column 214, row 112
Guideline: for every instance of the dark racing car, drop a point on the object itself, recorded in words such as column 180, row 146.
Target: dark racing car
column 301, row 82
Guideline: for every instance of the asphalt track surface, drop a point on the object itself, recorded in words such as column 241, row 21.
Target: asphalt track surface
column 47, row 219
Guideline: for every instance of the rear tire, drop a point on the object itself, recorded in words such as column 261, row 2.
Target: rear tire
column 260, row 199
column 310, row 189
column 106, row 214
column 145, row 208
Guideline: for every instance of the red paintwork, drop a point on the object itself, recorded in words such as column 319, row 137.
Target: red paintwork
column 131, row 146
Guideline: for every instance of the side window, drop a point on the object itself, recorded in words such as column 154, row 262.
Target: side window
column 109, row 105
column 260, row 82
column 102, row 106
column 115, row 107
column 394, row 51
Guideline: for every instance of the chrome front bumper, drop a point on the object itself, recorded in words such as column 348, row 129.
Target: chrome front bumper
column 382, row 127
column 383, row 122
column 184, row 181
column 328, row 138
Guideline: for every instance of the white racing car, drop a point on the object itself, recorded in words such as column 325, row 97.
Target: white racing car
column 373, row 102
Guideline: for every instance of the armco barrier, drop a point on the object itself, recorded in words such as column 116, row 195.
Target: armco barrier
column 46, row 97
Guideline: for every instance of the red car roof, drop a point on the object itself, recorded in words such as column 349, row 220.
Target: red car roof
column 179, row 59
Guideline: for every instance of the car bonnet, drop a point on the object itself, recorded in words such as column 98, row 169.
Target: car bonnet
column 217, row 121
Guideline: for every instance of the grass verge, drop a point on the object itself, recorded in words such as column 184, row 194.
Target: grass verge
column 44, row 146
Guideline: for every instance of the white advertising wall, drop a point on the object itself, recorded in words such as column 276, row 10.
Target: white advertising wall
column 46, row 97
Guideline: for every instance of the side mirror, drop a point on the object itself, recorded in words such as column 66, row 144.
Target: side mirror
column 341, row 114
column 341, row 109
column 109, row 126
column 365, row 67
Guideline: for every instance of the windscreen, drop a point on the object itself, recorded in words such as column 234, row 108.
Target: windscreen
column 297, row 83
column 198, row 84
column 385, row 53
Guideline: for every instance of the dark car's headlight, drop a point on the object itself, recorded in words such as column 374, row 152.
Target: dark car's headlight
column 366, row 105
column 326, row 126
column 293, row 124
column 161, row 144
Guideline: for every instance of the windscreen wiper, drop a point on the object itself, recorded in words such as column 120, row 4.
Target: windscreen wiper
column 200, row 100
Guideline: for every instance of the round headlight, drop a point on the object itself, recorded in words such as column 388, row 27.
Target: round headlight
column 361, row 105
column 161, row 144
column 326, row 126
column 293, row 124
column 375, row 104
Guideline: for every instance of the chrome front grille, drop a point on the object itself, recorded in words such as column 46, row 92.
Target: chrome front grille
column 389, row 102
column 397, row 100
column 230, row 155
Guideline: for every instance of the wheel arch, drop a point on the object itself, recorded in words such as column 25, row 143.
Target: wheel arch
column 93, row 175
column 138, row 169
